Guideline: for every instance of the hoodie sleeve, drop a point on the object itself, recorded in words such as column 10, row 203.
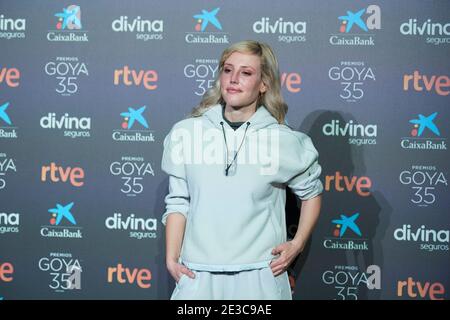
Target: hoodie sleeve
column 177, row 200
column 301, row 168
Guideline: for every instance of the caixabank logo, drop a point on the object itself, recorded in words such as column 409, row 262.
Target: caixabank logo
column 12, row 28
column 7, row 128
column 63, row 271
column 9, row 77
column 424, row 134
column 9, row 222
column 281, row 29
column 346, row 234
column 428, row 184
column 132, row 170
column 425, row 29
column 134, row 126
column 353, row 77
column 411, row 288
column 67, row 73
column 62, row 223
column 135, row 227
column 357, row 27
column 208, row 29
column 68, row 26
column 423, row 237
column 140, row 277
column 7, row 167
column 349, row 281
column 142, row 28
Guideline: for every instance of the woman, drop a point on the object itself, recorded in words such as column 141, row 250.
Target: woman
column 228, row 167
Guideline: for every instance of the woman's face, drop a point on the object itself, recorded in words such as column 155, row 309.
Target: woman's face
column 240, row 81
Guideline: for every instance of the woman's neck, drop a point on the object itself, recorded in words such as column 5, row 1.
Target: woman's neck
column 240, row 114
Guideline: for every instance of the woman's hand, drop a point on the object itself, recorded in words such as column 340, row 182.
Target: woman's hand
column 176, row 270
column 287, row 251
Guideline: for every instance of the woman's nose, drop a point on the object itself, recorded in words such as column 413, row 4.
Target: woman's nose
column 234, row 78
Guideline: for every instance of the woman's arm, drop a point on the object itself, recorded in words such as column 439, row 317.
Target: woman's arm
column 288, row 251
column 175, row 226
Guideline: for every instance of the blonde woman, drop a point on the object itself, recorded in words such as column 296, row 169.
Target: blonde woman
column 228, row 167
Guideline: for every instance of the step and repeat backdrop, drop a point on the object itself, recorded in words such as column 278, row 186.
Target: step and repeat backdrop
column 89, row 90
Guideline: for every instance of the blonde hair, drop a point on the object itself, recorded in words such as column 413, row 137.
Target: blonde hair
column 271, row 98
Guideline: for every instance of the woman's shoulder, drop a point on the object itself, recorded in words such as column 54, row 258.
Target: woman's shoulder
column 292, row 137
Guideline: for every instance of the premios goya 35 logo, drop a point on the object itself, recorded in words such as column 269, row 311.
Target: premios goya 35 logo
column 132, row 171
column 353, row 76
column 427, row 183
column 350, row 281
column 63, row 270
column 7, row 166
column 67, row 71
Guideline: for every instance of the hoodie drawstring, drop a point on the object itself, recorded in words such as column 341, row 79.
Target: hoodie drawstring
column 228, row 166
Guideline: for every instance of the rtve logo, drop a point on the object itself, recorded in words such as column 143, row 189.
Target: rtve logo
column 419, row 82
column 6, row 272
column 344, row 183
column 415, row 289
column 123, row 275
column 10, row 76
column 148, row 78
column 57, row 173
column 291, row 81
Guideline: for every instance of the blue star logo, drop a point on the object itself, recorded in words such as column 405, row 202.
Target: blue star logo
column 62, row 212
column 354, row 18
column 3, row 114
column 425, row 122
column 347, row 222
column 134, row 115
column 208, row 17
column 69, row 17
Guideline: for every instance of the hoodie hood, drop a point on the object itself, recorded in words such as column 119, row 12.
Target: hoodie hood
column 260, row 119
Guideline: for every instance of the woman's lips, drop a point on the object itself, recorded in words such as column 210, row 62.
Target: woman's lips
column 233, row 90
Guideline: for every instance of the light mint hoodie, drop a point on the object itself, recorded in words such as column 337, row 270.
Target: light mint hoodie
column 234, row 221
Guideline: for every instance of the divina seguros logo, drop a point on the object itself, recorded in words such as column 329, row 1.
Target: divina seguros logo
column 143, row 29
column 11, row 28
column 433, row 32
column 139, row 228
column 428, row 239
column 286, row 31
column 358, row 134
column 73, row 127
column 9, row 222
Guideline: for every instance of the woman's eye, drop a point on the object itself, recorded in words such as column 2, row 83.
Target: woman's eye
column 227, row 70
column 247, row 73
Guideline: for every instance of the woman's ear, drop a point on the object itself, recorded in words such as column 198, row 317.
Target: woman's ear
column 263, row 87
